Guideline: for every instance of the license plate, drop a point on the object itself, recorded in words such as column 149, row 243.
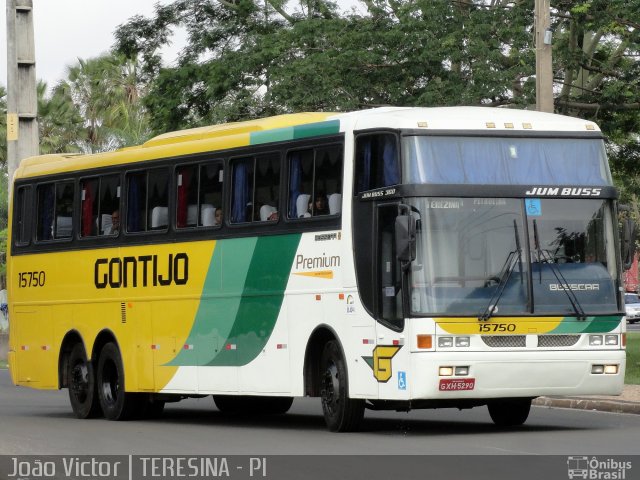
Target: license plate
column 457, row 384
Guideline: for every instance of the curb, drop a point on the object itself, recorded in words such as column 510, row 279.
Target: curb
column 613, row 406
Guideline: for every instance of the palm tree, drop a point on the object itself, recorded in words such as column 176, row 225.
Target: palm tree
column 107, row 93
column 59, row 121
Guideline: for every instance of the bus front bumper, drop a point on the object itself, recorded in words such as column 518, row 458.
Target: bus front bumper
column 516, row 374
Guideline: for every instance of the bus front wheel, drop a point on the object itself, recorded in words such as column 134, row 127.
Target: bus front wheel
column 82, row 384
column 116, row 403
column 341, row 413
column 509, row 412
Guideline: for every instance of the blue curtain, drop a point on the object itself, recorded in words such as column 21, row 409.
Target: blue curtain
column 390, row 162
column 295, row 184
column 495, row 161
column 240, row 198
column 364, row 181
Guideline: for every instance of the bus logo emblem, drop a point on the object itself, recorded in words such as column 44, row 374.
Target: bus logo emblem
column 380, row 362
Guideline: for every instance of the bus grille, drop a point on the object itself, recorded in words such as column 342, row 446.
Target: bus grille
column 505, row 341
column 557, row 340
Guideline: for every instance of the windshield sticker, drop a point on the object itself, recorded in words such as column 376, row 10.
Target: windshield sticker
column 489, row 201
column 445, row 204
column 534, row 207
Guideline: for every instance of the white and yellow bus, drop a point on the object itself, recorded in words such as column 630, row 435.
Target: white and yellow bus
column 394, row 258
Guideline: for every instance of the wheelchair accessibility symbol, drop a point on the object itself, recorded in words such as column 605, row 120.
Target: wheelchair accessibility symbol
column 402, row 380
column 534, row 207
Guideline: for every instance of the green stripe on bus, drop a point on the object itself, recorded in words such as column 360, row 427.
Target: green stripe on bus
column 330, row 127
column 590, row 325
column 261, row 300
column 220, row 301
column 241, row 301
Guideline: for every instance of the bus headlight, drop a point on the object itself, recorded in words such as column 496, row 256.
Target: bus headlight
column 611, row 340
column 595, row 340
column 445, row 342
column 463, row 342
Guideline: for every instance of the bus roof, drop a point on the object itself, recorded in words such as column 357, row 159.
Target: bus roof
column 286, row 127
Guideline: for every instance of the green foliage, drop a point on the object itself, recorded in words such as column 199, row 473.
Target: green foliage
column 632, row 375
column 247, row 59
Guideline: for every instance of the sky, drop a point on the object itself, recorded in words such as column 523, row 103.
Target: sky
column 66, row 30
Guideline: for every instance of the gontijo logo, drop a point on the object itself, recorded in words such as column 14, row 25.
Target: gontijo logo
column 380, row 362
column 143, row 271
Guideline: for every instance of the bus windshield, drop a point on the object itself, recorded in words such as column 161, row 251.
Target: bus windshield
column 479, row 254
column 505, row 161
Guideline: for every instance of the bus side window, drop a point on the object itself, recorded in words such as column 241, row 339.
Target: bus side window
column 315, row 182
column 199, row 195
column 89, row 207
column 255, row 189
column 100, row 206
column 55, row 211
column 21, row 224
column 64, row 210
column 267, row 188
column 148, row 200
column 376, row 162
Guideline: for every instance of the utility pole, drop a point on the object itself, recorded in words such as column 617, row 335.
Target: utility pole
column 544, row 68
column 22, row 100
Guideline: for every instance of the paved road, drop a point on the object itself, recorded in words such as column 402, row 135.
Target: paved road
column 633, row 327
column 40, row 422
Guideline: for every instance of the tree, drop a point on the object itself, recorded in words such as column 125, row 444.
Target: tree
column 106, row 92
column 247, row 59
column 59, row 121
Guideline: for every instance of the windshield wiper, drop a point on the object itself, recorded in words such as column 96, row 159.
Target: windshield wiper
column 514, row 258
column 564, row 285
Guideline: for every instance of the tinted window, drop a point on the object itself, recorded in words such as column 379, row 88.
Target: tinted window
column 148, row 200
column 376, row 162
column 100, row 206
column 315, row 182
column 199, row 195
column 256, row 189
column 55, row 211
column 21, row 216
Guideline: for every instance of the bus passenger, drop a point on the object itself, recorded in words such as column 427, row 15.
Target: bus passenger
column 319, row 205
column 218, row 215
column 114, row 228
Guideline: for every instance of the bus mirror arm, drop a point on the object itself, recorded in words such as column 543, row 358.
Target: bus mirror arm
column 405, row 236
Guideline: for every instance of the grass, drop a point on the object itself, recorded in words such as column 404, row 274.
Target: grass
column 633, row 359
column 3, row 364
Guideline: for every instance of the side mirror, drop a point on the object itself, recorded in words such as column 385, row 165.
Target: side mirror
column 405, row 239
column 628, row 242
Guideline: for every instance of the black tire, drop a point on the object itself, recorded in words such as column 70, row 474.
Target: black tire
column 82, row 384
column 116, row 403
column 511, row 412
column 341, row 413
column 230, row 404
column 272, row 405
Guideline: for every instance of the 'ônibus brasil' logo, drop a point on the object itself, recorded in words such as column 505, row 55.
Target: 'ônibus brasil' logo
column 380, row 362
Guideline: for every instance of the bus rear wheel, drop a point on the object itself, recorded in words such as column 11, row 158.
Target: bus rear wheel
column 341, row 413
column 116, row 403
column 511, row 412
column 82, row 384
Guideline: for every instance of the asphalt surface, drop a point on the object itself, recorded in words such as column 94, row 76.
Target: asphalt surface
column 41, row 422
